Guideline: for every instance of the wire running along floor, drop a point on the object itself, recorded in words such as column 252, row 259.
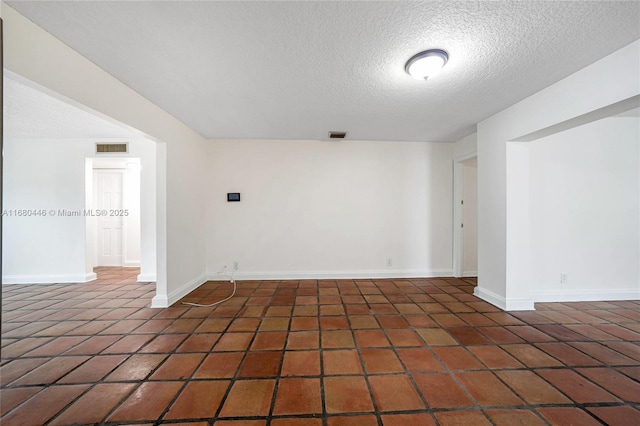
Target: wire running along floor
column 346, row 352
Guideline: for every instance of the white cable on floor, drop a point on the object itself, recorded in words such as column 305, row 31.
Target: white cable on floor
column 231, row 280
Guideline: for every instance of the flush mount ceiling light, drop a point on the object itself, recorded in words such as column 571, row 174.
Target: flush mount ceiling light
column 426, row 64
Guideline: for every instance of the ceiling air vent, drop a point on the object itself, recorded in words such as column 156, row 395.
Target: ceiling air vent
column 337, row 135
column 112, row 148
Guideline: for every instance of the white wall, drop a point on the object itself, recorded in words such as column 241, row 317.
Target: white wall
column 504, row 257
column 584, row 211
column 38, row 175
column 49, row 175
column 470, row 218
column 36, row 55
column 330, row 209
column 466, row 147
column 148, row 203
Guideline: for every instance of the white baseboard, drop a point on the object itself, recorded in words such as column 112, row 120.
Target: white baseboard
column 146, row 278
column 585, row 295
column 131, row 264
column 49, row 279
column 503, row 303
column 160, row 301
column 164, row 301
column 466, row 274
column 323, row 275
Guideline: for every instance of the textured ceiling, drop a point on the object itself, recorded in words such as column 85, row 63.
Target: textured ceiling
column 29, row 113
column 295, row 70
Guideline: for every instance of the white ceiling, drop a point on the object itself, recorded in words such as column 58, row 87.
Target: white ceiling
column 295, row 70
column 30, row 113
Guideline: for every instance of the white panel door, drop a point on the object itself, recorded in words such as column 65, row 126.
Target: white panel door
column 109, row 222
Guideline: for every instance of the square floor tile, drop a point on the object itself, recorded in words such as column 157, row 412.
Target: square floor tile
column 275, row 324
column 249, row 398
column 94, row 405
column 304, row 323
column 341, row 362
column 260, row 364
column 43, row 406
column 567, row 416
column 395, row 393
column 12, row 397
column 508, row 417
column 532, row 388
column 298, row 396
column 440, row 390
column 136, row 367
column 337, row 339
column 603, row 353
column 404, row 338
column 531, row 356
column 51, row 371
column 380, row 361
column 487, row 390
column 576, row 387
column 178, row 367
column 147, row 403
column 457, row 358
column 419, row 360
column 347, row 394
column 161, row 344
column 219, row 365
column 94, row 369
column 618, row 384
column 199, row 399
column 494, row 357
column 301, row 363
column 371, row 339
column 199, row 342
column 334, row 323
column 233, row 342
column 468, row 336
column 623, row 415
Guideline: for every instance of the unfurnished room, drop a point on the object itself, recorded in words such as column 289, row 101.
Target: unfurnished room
column 320, row 213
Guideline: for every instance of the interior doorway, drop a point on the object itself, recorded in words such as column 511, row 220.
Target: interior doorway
column 113, row 198
column 465, row 247
column 109, row 216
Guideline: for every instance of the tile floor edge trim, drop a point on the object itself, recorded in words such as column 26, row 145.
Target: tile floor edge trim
column 49, row 279
column 319, row 275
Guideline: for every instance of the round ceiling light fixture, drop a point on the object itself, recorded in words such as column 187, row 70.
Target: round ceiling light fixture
column 426, row 64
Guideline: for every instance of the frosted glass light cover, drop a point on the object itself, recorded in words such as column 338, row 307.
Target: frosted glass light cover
column 426, row 64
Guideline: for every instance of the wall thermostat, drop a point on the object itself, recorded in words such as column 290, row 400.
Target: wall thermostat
column 233, row 196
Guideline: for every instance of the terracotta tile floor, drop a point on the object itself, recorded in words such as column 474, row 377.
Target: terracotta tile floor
column 363, row 352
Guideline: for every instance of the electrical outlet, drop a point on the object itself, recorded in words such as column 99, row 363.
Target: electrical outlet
column 389, row 261
column 235, row 265
column 564, row 278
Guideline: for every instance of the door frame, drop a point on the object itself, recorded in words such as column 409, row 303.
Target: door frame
column 458, row 193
